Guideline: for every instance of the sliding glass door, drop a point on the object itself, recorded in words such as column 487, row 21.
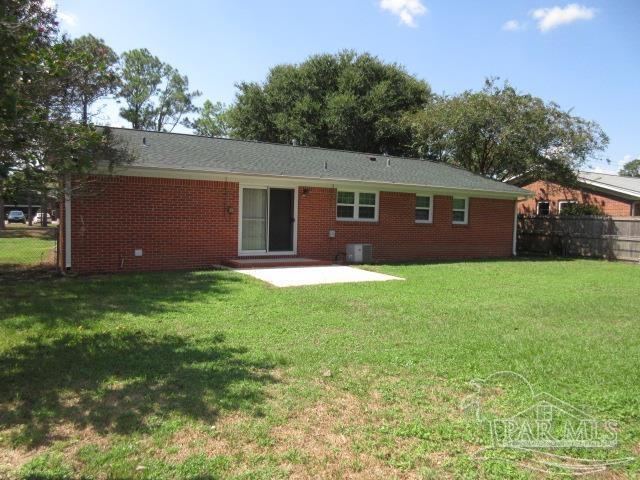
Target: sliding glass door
column 267, row 220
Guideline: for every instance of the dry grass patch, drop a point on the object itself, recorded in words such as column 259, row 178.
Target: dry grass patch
column 325, row 434
column 329, row 438
column 67, row 438
column 210, row 440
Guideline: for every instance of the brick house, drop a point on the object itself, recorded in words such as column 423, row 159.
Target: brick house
column 615, row 195
column 192, row 202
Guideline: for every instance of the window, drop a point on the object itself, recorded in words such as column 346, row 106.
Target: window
column 357, row 206
column 346, row 204
column 564, row 203
column 543, row 208
column 460, row 211
column 636, row 209
column 423, row 209
column 367, row 206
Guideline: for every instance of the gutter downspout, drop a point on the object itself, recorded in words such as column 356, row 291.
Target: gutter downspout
column 514, row 250
column 67, row 224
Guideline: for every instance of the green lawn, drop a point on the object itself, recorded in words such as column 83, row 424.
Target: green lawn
column 21, row 245
column 214, row 374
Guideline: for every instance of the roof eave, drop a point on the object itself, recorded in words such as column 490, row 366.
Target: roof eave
column 138, row 170
column 622, row 192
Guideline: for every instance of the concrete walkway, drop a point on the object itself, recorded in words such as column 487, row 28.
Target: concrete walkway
column 299, row 276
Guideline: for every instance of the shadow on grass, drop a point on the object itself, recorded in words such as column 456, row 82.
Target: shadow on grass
column 121, row 382
column 86, row 300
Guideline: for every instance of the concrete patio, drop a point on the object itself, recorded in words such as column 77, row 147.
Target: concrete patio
column 300, row 276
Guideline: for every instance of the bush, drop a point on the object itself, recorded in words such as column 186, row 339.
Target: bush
column 581, row 210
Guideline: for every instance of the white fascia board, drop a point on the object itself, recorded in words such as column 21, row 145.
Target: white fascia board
column 276, row 180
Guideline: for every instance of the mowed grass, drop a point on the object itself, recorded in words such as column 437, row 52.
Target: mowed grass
column 20, row 245
column 214, row 374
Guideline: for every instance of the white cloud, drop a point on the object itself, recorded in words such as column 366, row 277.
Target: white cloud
column 67, row 18
column 550, row 18
column 70, row 19
column 405, row 10
column 512, row 26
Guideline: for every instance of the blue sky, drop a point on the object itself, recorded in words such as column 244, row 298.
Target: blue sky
column 584, row 56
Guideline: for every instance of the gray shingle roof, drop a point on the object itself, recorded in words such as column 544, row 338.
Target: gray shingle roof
column 191, row 152
column 630, row 185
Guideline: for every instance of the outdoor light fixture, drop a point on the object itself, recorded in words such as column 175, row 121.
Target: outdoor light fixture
column 305, row 192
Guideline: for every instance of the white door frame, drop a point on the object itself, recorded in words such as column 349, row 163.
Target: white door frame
column 245, row 253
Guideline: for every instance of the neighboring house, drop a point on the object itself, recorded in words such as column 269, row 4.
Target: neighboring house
column 615, row 195
column 192, row 202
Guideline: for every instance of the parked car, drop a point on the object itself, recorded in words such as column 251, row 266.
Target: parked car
column 37, row 219
column 16, row 216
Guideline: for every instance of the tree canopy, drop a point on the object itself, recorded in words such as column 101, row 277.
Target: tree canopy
column 157, row 96
column 41, row 85
column 347, row 101
column 212, row 121
column 501, row 133
column 27, row 32
column 631, row 169
column 94, row 72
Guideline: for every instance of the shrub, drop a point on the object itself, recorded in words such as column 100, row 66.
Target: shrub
column 582, row 209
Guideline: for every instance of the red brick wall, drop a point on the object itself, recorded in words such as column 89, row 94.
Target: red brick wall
column 178, row 224
column 396, row 236
column 553, row 193
column 185, row 224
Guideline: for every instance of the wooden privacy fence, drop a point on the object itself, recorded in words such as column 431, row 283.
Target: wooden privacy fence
column 604, row 237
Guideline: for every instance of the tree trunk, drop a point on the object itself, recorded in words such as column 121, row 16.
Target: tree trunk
column 2, row 203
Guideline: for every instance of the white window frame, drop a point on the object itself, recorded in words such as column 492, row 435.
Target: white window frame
column 430, row 197
column 356, row 206
column 466, row 210
column 538, row 206
column 562, row 203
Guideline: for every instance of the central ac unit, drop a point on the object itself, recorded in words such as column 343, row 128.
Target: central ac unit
column 359, row 253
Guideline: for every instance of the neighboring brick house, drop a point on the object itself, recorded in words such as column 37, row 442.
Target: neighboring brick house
column 192, row 202
column 615, row 195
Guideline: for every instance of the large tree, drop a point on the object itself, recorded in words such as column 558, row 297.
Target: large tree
column 348, row 100
column 27, row 32
column 501, row 133
column 631, row 169
column 157, row 96
column 141, row 77
column 38, row 129
column 212, row 120
column 94, row 70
